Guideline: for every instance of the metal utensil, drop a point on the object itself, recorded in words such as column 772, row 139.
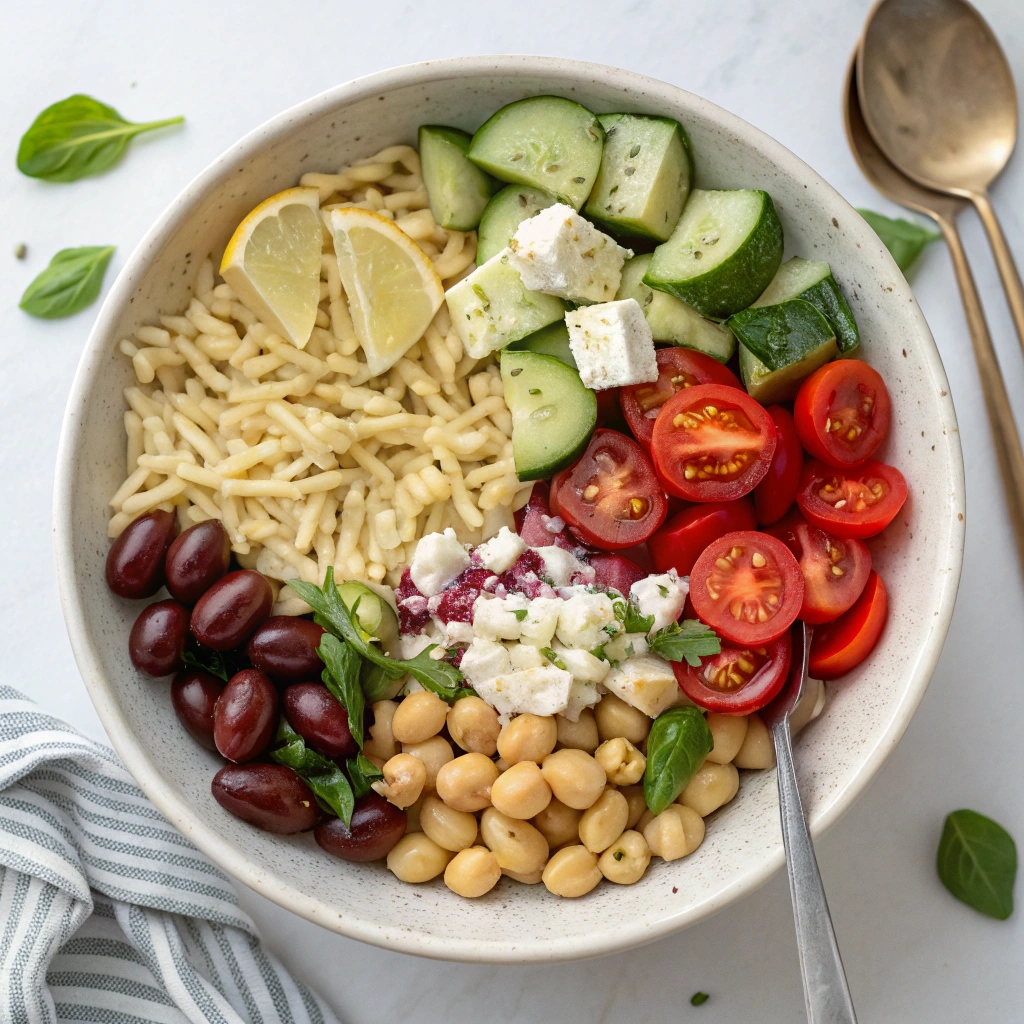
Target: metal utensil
column 943, row 209
column 938, row 97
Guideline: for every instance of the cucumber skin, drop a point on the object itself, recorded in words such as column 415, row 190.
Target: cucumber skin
column 707, row 293
column 487, row 186
column 552, row 340
column 768, row 387
column 772, row 333
column 828, row 297
column 495, row 211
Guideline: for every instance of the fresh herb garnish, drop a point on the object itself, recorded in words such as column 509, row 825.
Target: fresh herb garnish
column 520, row 613
column 977, row 863
column 328, row 782
column 689, row 641
column 610, row 629
column 362, row 771
column 699, row 998
column 206, row 659
column 553, row 658
column 70, row 283
column 619, row 854
column 341, row 677
column 634, row 622
column 903, row 238
column 677, row 744
column 663, row 590
column 77, row 137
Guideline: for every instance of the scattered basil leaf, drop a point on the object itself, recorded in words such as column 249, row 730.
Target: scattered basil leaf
column 328, row 782
column 678, row 742
column 341, row 677
column 977, row 863
column 440, row 677
column 207, row 660
column 903, row 238
column 77, row 137
column 634, row 622
column 699, row 998
column 362, row 771
column 462, row 691
column 553, row 658
column 69, row 284
column 688, row 641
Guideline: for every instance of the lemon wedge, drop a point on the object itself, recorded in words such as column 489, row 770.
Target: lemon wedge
column 272, row 262
column 393, row 290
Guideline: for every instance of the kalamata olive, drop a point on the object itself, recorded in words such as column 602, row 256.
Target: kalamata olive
column 269, row 796
column 197, row 559
column 245, row 715
column 232, row 610
column 318, row 717
column 194, row 694
column 135, row 561
column 157, row 639
column 376, row 827
column 285, row 648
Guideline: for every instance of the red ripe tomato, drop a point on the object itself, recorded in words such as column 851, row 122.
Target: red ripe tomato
column 740, row 679
column 842, row 645
column 680, row 541
column 774, row 495
column 616, row 571
column 678, row 368
column 609, row 414
column 610, row 496
column 747, row 587
column 835, row 570
column 856, row 502
column 842, row 412
column 712, row 443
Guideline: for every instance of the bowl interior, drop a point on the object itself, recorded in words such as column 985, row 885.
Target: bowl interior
column 919, row 557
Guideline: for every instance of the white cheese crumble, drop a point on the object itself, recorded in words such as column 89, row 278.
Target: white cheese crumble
column 583, row 618
column 581, row 695
column 502, row 551
column 500, row 618
column 612, row 344
column 646, row 682
column 626, row 645
column 438, row 560
column 530, row 691
column 584, row 666
column 559, row 565
column 541, row 621
column 524, row 656
column 661, row 596
column 483, row 660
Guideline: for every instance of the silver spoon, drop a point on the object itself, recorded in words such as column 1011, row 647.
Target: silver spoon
column 826, row 994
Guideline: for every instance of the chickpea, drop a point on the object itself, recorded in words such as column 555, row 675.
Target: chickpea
column 574, row 777
column 465, row 783
column 473, row 725
column 527, row 878
column 527, row 738
column 450, row 829
column 572, row 872
column 417, row 858
column 412, row 817
column 517, row 844
column 617, row 718
column 758, row 750
column 626, row 860
column 604, row 821
column 404, row 778
column 675, row 833
column 637, row 803
column 580, row 735
column 381, row 743
column 621, row 761
column 521, row 792
column 728, row 732
column 420, row 716
column 472, row 872
column 811, row 701
column 711, row 786
column 434, row 753
column 559, row 824
column 645, row 819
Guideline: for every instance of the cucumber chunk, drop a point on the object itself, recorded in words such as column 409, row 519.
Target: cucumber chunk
column 812, row 280
column 503, row 214
column 553, row 414
column 375, row 615
column 671, row 319
column 551, row 341
column 723, row 252
column 457, row 190
column 645, row 176
column 548, row 142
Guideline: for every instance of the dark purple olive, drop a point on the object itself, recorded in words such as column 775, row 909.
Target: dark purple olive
column 232, row 610
column 194, row 695
column 285, row 648
column 197, row 559
column 376, row 827
column 269, row 796
column 135, row 561
column 245, row 715
column 157, row 640
column 318, row 717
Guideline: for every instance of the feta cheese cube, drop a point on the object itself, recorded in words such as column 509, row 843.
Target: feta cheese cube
column 558, row 252
column 541, row 621
column 524, row 656
column 612, row 344
column 559, row 565
column 626, row 645
column 531, row 691
column 411, row 644
column 439, row 558
column 501, row 551
column 497, row 618
column 583, row 618
column 581, row 695
column 484, row 659
column 646, row 682
column 662, row 596
column 458, row 633
column 584, row 666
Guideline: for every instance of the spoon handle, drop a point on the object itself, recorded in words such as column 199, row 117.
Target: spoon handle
column 826, row 994
column 1005, row 263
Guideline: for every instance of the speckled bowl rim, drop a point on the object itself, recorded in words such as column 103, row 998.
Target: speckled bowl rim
column 131, row 749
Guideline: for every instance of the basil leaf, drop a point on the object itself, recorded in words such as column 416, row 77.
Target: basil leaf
column 377, row 683
column 69, row 284
column 903, row 238
column 77, row 137
column 440, row 677
column 977, row 863
column 678, row 742
column 341, row 677
column 207, row 660
column 688, row 641
column 328, row 782
column 362, row 771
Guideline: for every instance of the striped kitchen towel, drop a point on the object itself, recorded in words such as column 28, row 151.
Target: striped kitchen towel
column 107, row 913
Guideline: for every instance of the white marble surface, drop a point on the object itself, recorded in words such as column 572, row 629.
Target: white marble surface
column 913, row 954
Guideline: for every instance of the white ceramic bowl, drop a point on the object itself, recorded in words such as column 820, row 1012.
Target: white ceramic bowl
column 919, row 556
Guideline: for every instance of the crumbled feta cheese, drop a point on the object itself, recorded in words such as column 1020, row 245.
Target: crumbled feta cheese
column 439, row 558
column 558, row 252
column 524, row 656
column 612, row 344
column 499, row 618
column 583, row 618
column 647, row 682
column 559, row 565
column 584, row 666
column 541, row 621
column 458, row 633
column 501, row 551
column 661, row 596
column 531, row 691
column 411, row 644
column 484, row 659
column 581, row 695
column 626, row 645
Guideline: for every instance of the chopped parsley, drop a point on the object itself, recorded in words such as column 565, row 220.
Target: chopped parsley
column 553, row 658
column 521, row 613
column 689, row 641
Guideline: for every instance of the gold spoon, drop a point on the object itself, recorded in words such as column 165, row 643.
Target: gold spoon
column 943, row 210
column 938, row 96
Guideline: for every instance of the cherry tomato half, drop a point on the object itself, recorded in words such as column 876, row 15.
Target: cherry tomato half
column 842, row 645
column 774, row 495
column 740, row 679
column 678, row 544
column 747, row 587
column 835, row 570
column 712, row 443
column 534, row 519
column 856, row 502
column 842, row 412
column 678, row 368
column 616, row 572
column 610, row 496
